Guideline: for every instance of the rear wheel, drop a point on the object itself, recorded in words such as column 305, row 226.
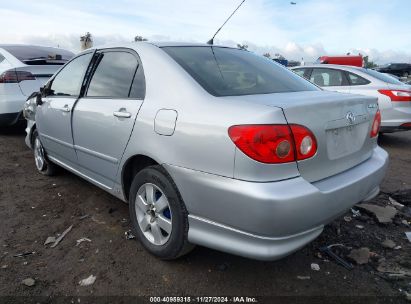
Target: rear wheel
column 158, row 214
column 43, row 165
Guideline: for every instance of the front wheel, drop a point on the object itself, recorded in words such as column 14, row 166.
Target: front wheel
column 43, row 165
column 158, row 214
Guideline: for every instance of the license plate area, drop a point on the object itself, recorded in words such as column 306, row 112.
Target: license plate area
column 345, row 140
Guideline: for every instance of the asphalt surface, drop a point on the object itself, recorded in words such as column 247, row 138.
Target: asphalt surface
column 34, row 207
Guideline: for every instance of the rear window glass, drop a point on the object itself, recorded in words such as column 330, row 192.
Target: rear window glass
column 381, row 76
column 38, row 54
column 232, row 72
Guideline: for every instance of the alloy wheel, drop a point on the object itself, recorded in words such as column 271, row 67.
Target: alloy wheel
column 153, row 214
column 39, row 154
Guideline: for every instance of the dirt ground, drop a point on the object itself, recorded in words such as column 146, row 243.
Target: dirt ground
column 34, row 207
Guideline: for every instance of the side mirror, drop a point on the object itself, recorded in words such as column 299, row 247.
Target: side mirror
column 39, row 101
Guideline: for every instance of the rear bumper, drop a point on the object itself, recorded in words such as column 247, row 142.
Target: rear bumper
column 394, row 118
column 11, row 107
column 12, row 103
column 267, row 221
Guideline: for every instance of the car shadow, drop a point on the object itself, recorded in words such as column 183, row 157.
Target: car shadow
column 14, row 130
column 395, row 140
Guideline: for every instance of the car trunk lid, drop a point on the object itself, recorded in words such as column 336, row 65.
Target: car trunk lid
column 41, row 73
column 341, row 124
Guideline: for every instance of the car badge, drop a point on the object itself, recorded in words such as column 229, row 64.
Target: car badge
column 350, row 117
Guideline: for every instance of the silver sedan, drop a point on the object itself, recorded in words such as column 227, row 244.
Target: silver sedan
column 394, row 97
column 209, row 145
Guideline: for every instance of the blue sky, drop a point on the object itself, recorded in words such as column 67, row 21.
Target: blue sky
column 309, row 29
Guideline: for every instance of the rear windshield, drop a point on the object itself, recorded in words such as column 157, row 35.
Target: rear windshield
column 232, row 72
column 381, row 76
column 34, row 55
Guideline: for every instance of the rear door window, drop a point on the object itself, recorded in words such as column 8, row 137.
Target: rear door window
column 299, row 72
column 69, row 80
column 114, row 75
column 356, row 80
column 303, row 72
column 138, row 88
column 233, row 72
column 328, row 78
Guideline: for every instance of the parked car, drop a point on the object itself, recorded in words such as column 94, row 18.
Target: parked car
column 23, row 70
column 341, row 60
column 210, row 145
column 394, row 97
column 398, row 69
column 402, row 79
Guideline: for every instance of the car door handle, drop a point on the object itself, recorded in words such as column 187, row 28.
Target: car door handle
column 66, row 108
column 122, row 114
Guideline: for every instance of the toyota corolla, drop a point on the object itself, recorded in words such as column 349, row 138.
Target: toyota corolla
column 209, row 145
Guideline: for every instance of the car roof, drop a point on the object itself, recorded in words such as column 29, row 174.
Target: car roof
column 160, row 44
column 175, row 43
column 2, row 45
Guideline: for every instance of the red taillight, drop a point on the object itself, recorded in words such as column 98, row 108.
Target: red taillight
column 274, row 143
column 376, row 125
column 397, row 95
column 406, row 125
column 13, row 76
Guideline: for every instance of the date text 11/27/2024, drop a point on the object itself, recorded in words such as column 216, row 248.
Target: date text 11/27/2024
column 187, row 299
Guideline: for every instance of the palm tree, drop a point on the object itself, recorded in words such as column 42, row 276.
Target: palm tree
column 86, row 41
column 139, row 38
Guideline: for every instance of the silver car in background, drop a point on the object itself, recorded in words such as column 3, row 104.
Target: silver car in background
column 209, row 145
column 394, row 97
column 23, row 70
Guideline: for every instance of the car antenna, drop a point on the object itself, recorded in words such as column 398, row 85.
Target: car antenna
column 211, row 41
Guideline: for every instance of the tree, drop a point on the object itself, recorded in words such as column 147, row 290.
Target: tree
column 268, row 55
column 86, row 41
column 279, row 56
column 368, row 64
column 242, row 46
column 139, row 38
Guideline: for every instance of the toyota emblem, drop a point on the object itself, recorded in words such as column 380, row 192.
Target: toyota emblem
column 350, row 117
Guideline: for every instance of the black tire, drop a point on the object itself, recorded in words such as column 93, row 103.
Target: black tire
column 48, row 167
column 177, row 243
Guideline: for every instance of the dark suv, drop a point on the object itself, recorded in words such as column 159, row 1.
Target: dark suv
column 398, row 69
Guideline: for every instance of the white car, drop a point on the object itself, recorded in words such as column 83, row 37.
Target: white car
column 394, row 97
column 23, row 70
